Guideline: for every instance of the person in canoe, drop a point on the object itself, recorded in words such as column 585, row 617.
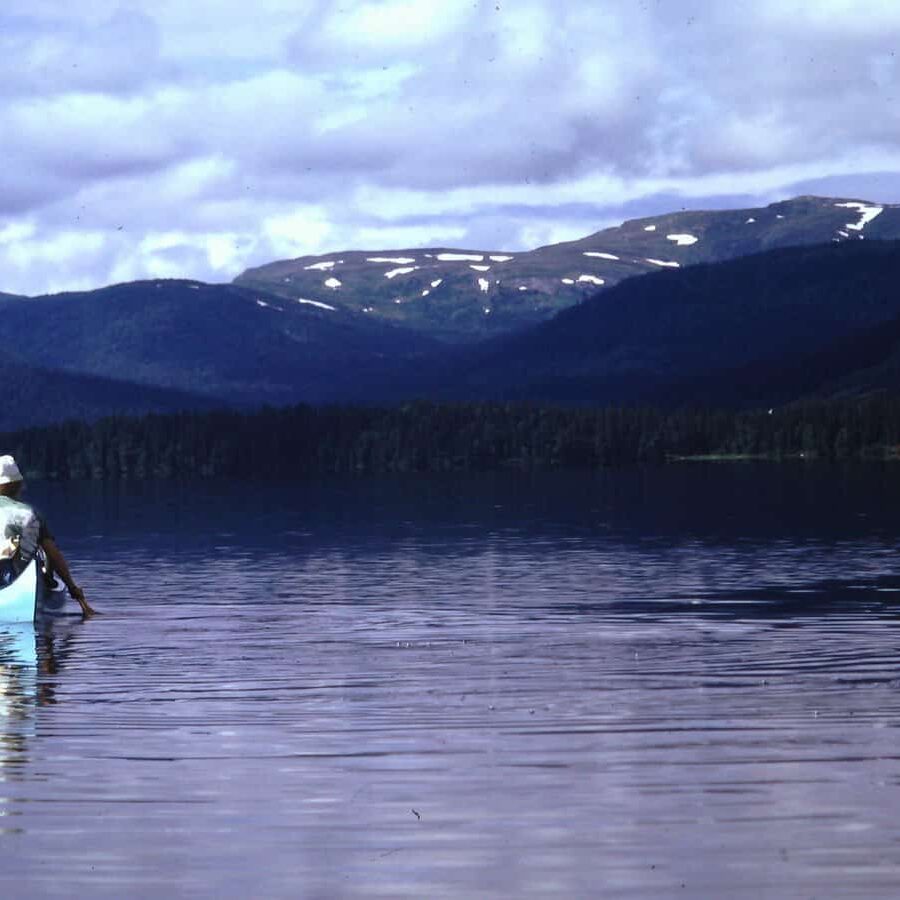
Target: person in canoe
column 23, row 533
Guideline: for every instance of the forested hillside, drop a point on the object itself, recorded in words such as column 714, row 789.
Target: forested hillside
column 302, row 441
column 39, row 396
column 221, row 343
column 762, row 330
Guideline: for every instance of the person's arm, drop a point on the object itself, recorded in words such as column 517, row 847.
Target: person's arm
column 58, row 563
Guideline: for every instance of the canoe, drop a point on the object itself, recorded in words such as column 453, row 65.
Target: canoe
column 28, row 596
column 18, row 600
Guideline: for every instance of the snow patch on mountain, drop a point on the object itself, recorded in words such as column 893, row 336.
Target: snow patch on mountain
column 319, row 266
column 591, row 279
column 405, row 270
column 332, row 283
column 599, row 255
column 484, row 284
column 662, row 262
column 649, row 228
column 683, row 240
column 501, row 258
column 867, row 213
column 481, row 268
column 318, row 304
column 460, row 257
column 394, row 260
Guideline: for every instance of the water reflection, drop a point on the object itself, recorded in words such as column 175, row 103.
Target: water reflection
column 55, row 641
column 18, row 698
column 29, row 661
column 18, row 645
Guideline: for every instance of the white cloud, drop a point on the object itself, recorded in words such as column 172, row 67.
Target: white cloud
column 834, row 17
column 214, row 135
column 16, row 233
column 303, row 232
column 71, row 252
column 106, row 49
column 89, row 135
column 392, row 24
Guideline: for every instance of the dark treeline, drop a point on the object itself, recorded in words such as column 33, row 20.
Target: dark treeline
column 425, row 437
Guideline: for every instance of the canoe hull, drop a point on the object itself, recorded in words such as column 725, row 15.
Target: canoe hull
column 28, row 596
column 18, row 600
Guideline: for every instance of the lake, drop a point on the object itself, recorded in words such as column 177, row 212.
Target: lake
column 635, row 683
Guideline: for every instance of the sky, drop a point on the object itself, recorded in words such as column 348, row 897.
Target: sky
column 158, row 138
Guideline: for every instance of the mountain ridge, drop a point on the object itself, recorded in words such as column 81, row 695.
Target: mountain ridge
column 463, row 295
column 754, row 328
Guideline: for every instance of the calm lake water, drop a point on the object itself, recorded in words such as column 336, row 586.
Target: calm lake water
column 646, row 683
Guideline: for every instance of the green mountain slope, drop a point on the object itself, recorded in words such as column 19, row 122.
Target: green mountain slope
column 468, row 295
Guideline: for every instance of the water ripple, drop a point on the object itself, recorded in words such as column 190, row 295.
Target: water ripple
column 529, row 693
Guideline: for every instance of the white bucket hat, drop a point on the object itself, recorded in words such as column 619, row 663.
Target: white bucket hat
column 9, row 471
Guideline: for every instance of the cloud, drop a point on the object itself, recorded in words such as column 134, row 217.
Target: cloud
column 374, row 33
column 44, row 54
column 77, row 253
column 140, row 137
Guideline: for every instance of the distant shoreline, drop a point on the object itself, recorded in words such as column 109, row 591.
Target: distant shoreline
column 302, row 441
column 889, row 454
